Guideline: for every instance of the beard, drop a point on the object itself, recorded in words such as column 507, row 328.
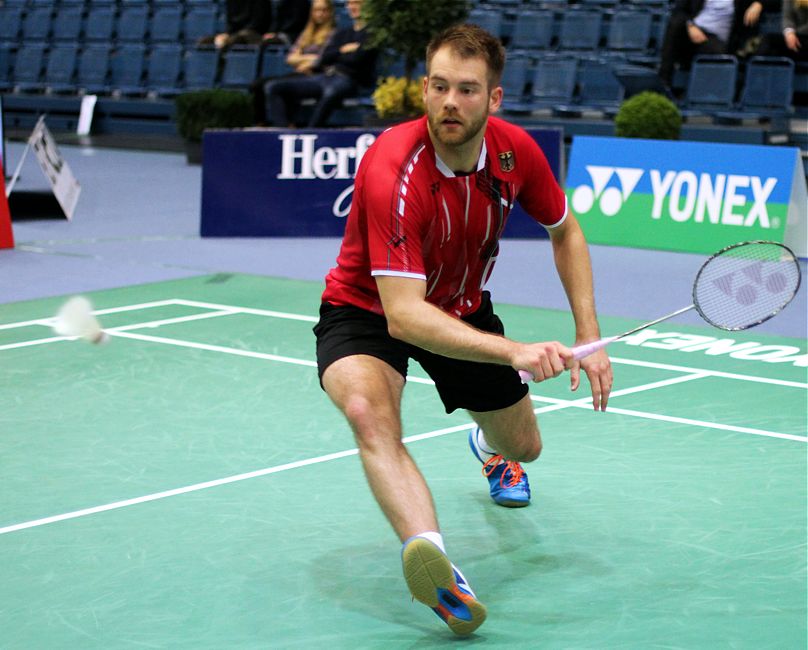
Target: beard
column 458, row 136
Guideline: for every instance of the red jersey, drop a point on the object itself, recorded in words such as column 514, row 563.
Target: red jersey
column 414, row 217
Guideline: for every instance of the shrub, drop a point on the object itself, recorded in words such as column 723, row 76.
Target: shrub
column 648, row 115
column 212, row 109
column 393, row 97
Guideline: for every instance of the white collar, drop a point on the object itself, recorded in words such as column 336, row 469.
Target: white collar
column 444, row 169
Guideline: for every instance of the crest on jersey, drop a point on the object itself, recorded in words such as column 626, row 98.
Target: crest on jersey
column 506, row 161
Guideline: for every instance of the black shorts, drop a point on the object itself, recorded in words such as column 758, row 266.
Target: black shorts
column 345, row 331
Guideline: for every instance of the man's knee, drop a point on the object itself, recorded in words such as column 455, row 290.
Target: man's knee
column 373, row 424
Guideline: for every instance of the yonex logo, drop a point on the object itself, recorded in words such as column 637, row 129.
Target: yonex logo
column 610, row 199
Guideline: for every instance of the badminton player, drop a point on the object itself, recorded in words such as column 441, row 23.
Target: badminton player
column 430, row 202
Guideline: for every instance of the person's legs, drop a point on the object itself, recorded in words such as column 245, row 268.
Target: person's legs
column 283, row 95
column 513, row 431
column 368, row 392
column 676, row 47
column 335, row 88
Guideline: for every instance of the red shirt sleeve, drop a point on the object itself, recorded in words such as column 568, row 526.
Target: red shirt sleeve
column 539, row 195
column 394, row 208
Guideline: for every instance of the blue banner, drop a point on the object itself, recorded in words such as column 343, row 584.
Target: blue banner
column 299, row 183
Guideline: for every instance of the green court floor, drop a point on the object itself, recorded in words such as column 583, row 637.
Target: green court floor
column 190, row 486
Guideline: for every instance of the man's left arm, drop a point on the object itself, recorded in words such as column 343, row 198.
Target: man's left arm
column 574, row 266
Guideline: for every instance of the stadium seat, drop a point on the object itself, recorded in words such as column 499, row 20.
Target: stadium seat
column 36, row 25
column 200, row 20
column 29, row 64
column 490, row 21
column 629, row 32
column 92, row 71
column 100, row 24
column 239, row 67
column 67, row 23
column 553, row 83
column 712, row 84
column 767, row 92
column 132, row 24
column 163, row 70
column 580, row 30
column 61, row 68
column 514, row 84
column 273, row 62
column 598, row 89
column 6, row 63
column 127, row 65
column 165, row 24
column 532, row 31
column 200, row 68
column 10, row 23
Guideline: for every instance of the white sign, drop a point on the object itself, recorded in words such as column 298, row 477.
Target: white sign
column 65, row 187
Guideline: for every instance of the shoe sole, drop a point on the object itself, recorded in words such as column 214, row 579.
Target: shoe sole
column 512, row 504
column 429, row 572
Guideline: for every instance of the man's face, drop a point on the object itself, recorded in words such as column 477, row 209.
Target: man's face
column 457, row 98
column 354, row 8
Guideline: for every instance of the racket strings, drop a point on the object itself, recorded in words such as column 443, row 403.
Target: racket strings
column 745, row 285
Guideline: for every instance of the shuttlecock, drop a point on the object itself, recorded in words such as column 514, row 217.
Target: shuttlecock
column 76, row 318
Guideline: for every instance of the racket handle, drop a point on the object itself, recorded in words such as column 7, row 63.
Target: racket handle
column 578, row 353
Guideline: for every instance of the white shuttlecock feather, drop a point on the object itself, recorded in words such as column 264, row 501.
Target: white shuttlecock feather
column 76, row 319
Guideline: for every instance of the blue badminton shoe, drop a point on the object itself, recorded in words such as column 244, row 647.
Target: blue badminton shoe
column 507, row 480
column 437, row 583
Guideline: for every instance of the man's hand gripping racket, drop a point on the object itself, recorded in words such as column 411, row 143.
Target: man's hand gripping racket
column 738, row 287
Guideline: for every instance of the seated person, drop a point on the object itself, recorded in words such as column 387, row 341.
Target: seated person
column 305, row 52
column 345, row 65
column 793, row 40
column 707, row 27
column 288, row 22
column 249, row 22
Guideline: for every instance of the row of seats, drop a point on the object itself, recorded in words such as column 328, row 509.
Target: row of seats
column 138, row 23
column 570, row 86
column 620, row 32
column 132, row 69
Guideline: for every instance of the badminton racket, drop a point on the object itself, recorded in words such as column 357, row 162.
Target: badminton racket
column 738, row 287
column 75, row 319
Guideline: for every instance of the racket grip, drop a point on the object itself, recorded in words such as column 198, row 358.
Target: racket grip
column 581, row 351
column 578, row 353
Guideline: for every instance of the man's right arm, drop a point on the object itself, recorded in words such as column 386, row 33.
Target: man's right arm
column 412, row 319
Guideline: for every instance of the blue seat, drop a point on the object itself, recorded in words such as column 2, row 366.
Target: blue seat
column 768, row 90
column 598, row 89
column 200, row 68
column 200, row 20
column 67, row 23
column 36, row 26
column 553, row 82
column 163, row 70
column 29, row 64
column 132, row 24
column 61, row 68
column 491, row 21
column 100, row 23
column 712, row 85
column 127, row 65
column 92, row 70
column 273, row 62
column 239, row 67
column 514, row 84
column 10, row 23
column 580, row 30
column 166, row 24
column 6, row 63
column 533, row 30
column 629, row 31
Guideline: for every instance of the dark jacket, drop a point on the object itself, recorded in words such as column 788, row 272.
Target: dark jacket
column 360, row 65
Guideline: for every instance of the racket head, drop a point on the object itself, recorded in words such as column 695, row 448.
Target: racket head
column 746, row 284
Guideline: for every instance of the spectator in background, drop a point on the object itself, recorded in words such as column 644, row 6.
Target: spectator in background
column 304, row 54
column 345, row 65
column 707, row 27
column 250, row 22
column 793, row 40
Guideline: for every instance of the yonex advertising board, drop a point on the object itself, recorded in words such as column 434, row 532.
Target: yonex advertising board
column 284, row 183
column 686, row 196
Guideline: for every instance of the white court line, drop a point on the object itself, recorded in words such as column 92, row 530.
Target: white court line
column 231, row 479
column 98, row 312
column 670, row 418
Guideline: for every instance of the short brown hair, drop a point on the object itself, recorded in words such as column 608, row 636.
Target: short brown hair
column 468, row 42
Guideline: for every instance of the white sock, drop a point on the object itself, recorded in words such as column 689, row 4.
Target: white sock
column 484, row 449
column 434, row 537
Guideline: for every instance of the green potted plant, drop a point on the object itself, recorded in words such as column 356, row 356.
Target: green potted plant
column 214, row 108
column 405, row 29
column 648, row 115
